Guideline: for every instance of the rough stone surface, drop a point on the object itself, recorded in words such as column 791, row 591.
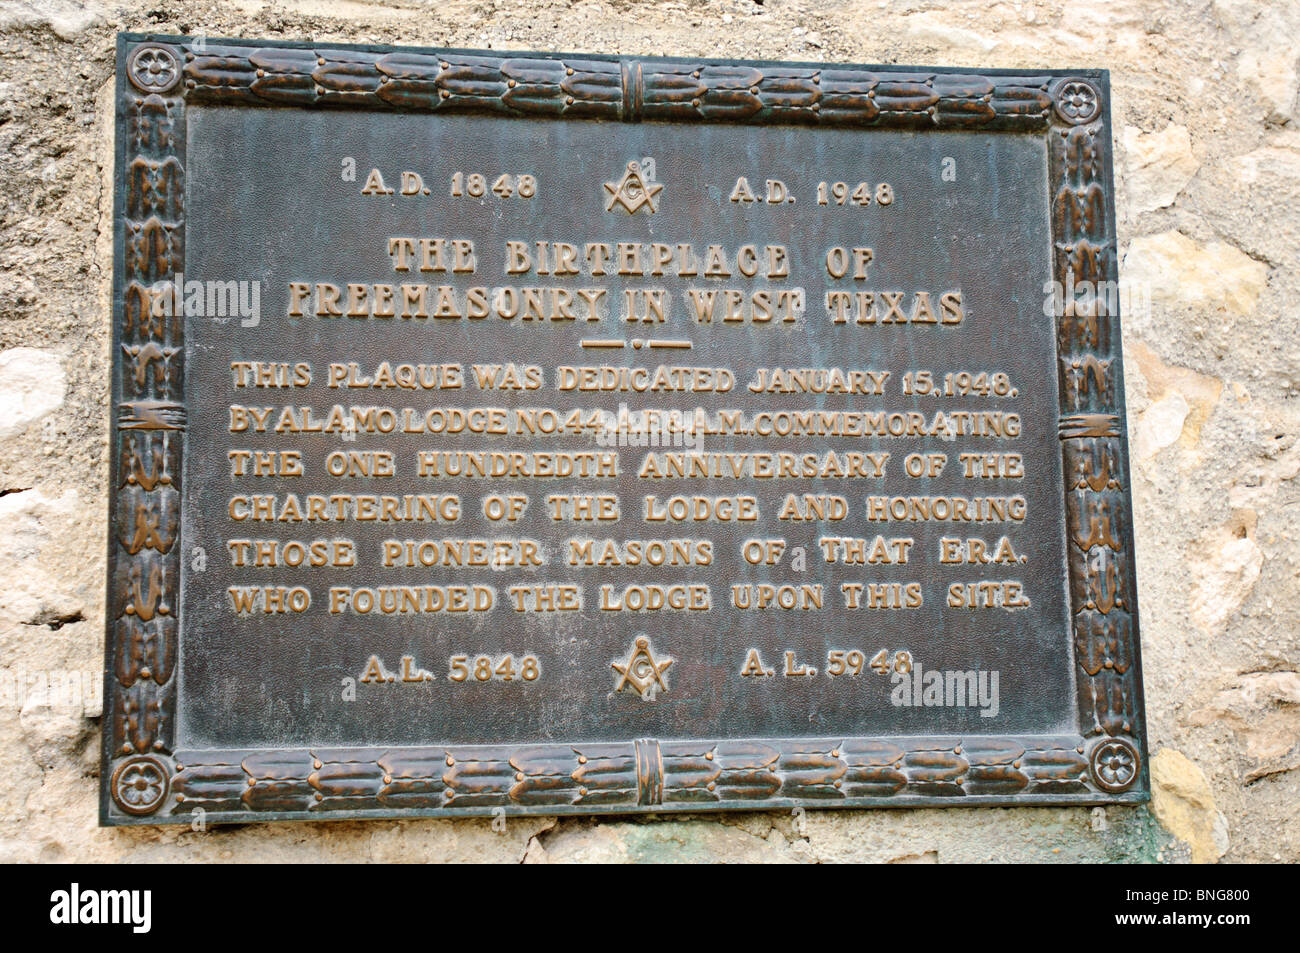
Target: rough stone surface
column 1182, row 273
column 1159, row 165
column 1263, row 708
column 31, row 385
column 1160, row 425
column 1204, row 99
column 1184, row 804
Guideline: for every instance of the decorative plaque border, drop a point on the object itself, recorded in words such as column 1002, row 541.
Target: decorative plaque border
column 146, row 779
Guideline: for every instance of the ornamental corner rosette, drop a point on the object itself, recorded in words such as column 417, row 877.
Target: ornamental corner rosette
column 1077, row 101
column 1115, row 764
column 154, row 68
column 140, row 784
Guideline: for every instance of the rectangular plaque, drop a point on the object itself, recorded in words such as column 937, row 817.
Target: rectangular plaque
column 582, row 434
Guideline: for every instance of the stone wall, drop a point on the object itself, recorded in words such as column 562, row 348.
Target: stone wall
column 1208, row 162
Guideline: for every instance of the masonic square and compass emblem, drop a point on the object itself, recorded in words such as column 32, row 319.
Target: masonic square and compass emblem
column 632, row 191
column 641, row 670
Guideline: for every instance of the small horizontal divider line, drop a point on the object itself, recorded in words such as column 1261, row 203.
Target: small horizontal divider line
column 637, row 344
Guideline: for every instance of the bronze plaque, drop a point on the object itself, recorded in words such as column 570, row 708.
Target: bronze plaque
column 504, row 433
